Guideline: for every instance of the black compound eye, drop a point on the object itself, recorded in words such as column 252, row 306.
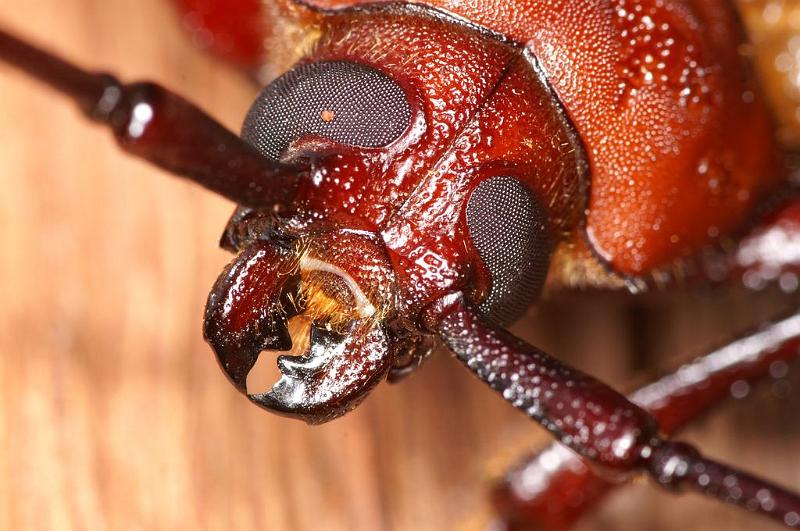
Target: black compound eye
column 346, row 102
column 508, row 227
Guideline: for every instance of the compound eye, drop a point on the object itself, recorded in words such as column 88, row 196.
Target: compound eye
column 508, row 228
column 346, row 102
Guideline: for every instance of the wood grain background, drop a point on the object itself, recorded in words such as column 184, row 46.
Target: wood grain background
column 114, row 415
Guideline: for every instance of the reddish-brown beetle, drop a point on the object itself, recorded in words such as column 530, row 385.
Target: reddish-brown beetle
column 464, row 142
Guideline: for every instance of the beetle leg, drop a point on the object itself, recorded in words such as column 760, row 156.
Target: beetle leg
column 554, row 488
column 235, row 29
column 595, row 421
column 161, row 127
column 770, row 252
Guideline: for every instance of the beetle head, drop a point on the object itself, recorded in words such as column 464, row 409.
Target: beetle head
column 395, row 166
column 406, row 194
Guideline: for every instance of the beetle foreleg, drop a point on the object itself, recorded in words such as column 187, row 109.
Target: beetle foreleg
column 597, row 422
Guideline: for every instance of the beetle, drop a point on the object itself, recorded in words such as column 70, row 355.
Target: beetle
column 245, row 226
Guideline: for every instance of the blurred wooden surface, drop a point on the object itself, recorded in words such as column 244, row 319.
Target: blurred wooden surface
column 114, row 415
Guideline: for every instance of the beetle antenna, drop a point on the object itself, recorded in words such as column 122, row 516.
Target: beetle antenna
column 592, row 419
column 163, row 128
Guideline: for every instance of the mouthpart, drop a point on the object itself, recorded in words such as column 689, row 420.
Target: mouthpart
column 340, row 286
